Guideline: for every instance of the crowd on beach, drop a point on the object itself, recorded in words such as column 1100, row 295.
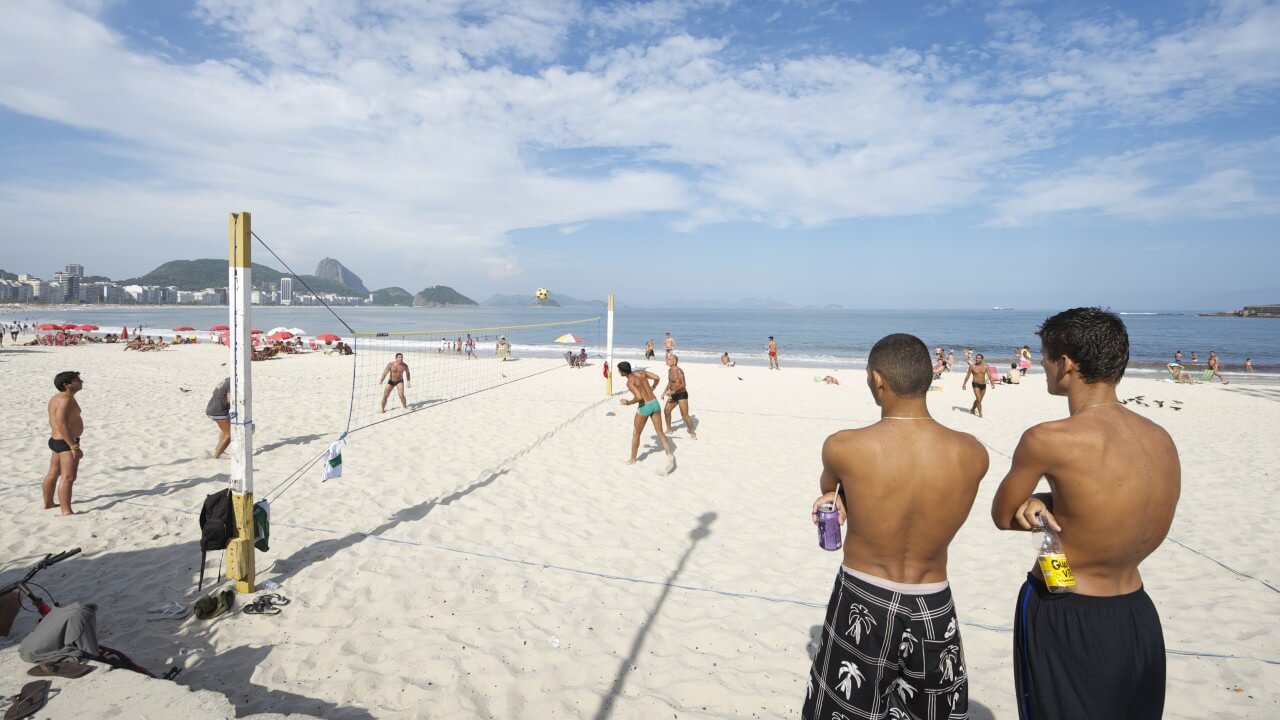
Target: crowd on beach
column 890, row 645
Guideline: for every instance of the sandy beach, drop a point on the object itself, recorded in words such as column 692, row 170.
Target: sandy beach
column 495, row 558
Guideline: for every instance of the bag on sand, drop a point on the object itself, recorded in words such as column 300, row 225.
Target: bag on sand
column 217, row 525
column 262, row 525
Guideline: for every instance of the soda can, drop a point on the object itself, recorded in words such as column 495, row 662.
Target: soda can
column 828, row 526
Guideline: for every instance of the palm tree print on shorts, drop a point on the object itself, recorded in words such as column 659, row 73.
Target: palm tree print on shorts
column 849, row 674
column 859, row 620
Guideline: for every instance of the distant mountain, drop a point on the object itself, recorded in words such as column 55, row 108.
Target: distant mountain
column 392, row 296
column 441, row 296
column 331, row 269
column 7, row 275
column 553, row 300
column 212, row 273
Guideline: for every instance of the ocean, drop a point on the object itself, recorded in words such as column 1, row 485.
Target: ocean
column 837, row 338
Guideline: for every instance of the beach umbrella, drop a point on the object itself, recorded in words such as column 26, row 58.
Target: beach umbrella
column 278, row 329
column 296, row 331
column 216, row 328
column 48, row 326
column 183, row 328
column 328, row 338
column 568, row 338
column 124, row 333
column 70, row 326
column 88, row 328
column 256, row 331
column 282, row 335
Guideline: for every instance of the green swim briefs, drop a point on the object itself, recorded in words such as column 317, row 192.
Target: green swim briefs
column 649, row 408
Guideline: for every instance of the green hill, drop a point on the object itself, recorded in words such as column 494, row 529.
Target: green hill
column 441, row 296
column 392, row 296
column 7, row 275
column 211, row 273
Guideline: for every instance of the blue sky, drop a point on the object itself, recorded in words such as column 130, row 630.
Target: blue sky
column 952, row 153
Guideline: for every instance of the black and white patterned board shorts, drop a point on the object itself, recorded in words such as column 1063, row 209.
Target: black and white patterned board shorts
column 887, row 655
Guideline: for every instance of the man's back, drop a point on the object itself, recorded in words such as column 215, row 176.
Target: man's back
column 908, row 487
column 1116, row 479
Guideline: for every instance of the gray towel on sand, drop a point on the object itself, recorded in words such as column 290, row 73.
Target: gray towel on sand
column 68, row 631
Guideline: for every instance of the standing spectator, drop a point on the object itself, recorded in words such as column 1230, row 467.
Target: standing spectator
column 773, row 354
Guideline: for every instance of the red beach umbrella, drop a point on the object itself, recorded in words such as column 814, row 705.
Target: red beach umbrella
column 255, row 331
column 282, row 335
column 183, row 328
column 69, row 326
column 124, row 333
column 48, row 326
column 216, row 328
column 328, row 337
column 88, row 328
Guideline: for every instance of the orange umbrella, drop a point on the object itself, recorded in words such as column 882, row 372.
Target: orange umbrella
column 282, row 335
column 216, row 328
column 48, row 326
column 183, row 328
column 69, row 326
column 88, row 328
column 328, row 338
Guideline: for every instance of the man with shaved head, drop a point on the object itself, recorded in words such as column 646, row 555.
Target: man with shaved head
column 890, row 643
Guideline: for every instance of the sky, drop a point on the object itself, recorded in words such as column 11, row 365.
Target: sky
column 874, row 154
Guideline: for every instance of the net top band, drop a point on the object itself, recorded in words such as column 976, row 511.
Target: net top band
column 401, row 333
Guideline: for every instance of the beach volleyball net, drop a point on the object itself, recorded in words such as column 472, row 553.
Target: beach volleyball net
column 444, row 365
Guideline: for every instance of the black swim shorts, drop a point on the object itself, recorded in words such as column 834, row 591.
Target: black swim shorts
column 1080, row 656
column 61, row 446
column 682, row 395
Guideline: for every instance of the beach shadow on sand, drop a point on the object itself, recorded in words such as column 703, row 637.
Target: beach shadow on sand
column 165, row 488
column 702, row 531
column 285, row 568
column 225, row 670
column 295, row 440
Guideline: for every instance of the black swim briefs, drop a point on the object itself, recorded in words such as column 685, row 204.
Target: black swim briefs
column 1080, row 656
column 394, row 383
column 61, row 446
column 980, row 385
column 682, row 395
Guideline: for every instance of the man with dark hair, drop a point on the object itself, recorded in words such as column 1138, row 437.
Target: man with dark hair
column 978, row 373
column 890, row 643
column 65, row 428
column 1114, row 480
column 641, row 384
column 677, row 394
column 772, row 350
column 399, row 380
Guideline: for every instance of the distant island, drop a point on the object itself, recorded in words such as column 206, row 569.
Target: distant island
column 440, row 296
column 1270, row 311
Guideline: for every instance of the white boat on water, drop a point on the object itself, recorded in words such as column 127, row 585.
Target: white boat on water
column 1001, row 308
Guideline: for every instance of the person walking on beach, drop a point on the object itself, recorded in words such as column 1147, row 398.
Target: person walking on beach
column 1215, row 363
column 470, row 345
column 1114, row 480
column 400, row 375
column 1248, row 364
column 65, row 429
column 641, row 384
column 890, row 644
column 977, row 372
column 1024, row 359
column 648, row 350
column 677, row 394
column 669, row 344
column 773, row 354
column 218, row 409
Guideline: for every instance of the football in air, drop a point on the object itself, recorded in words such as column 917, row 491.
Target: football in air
column 541, row 293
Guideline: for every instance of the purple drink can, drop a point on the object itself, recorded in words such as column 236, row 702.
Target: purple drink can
column 828, row 526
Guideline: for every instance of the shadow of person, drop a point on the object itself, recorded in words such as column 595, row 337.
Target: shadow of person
column 296, row 440
column 978, row 711
column 702, row 531
column 164, row 488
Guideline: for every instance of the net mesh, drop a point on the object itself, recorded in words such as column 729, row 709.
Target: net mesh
column 449, row 364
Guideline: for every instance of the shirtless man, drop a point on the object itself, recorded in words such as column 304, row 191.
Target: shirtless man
column 648, row 350
column 1215, row 363
column 890, row 643
column 978, row 373
column 641, row 384
column 1114, row 480
column 399, row 373
column 669, row 343
column 677, row 395
column 65, row 428
column 772, row 349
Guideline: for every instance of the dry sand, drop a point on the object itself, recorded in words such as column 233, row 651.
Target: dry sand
column 495, row 557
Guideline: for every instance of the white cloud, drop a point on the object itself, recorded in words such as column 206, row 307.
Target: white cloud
column 422, row 128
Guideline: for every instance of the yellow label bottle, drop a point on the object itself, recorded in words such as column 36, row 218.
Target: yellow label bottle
column 1052, row 560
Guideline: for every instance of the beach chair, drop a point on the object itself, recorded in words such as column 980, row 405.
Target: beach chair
column 993, row 375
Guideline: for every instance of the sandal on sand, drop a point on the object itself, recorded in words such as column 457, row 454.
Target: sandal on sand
column 266, row 605
column 211, row 606
column 172, row 610
column 69, row 668
column 29, row 701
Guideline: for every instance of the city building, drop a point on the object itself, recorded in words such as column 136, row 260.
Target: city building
column 286, row 291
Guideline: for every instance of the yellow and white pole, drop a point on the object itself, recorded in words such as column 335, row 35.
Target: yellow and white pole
column 608, row 350
column 240, row 565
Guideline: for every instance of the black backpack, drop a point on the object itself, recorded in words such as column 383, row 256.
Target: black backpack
column 217, row 525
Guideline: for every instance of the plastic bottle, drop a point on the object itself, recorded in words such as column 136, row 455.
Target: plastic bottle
column 1053, row 561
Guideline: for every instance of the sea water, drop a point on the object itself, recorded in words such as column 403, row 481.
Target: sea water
column 835, row 338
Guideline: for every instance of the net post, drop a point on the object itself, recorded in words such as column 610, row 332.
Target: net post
column 608, row 351
column 239, row 552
